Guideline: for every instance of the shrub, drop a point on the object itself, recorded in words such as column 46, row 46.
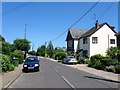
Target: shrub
column 60, row 55
column 113, row 52
column 11, row 67
column 114, row 62
column 99, row 65
column 110, row 69
column 98, row 61
column 117, row 69
column 18, row 54
column 106, row 61
column 5, row 61
column 87, row 61
column 0, row 67
column 82, row 60
column 96, row 57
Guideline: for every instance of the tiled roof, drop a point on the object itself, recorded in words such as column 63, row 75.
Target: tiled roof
column 94, row 29
column 77, row 33
column 118, row 33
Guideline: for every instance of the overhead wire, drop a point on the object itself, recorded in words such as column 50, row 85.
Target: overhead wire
column 13, row 9
column 103, row 13
column 76, row 21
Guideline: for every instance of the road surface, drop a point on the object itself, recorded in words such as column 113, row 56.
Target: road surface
column 57, row 75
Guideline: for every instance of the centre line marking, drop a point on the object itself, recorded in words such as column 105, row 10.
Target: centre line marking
column 68, row 82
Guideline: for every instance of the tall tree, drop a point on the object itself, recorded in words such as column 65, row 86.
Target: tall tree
column 6, row 48
column 50, row 49
column 22, row 44
column 41, row 50
column 33, row 52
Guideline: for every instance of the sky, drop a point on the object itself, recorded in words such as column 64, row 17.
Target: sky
column 47, row 20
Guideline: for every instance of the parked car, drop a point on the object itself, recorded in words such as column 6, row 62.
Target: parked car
column 31, row 64
column 70, row 60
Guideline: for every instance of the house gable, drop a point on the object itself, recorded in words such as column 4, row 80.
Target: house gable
column 104, row 36
column 94, row 29
column 69, row 37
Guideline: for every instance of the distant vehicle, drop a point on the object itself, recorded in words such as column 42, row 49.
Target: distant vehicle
column 70, row 60
column 31, row 64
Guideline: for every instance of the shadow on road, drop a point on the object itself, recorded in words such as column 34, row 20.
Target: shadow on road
column 102, row 79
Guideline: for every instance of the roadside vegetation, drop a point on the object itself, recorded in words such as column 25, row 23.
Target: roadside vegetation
column 110, row 62
column 57, row 53
column 11, row 55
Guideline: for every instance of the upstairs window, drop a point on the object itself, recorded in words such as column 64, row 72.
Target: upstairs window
column 85, row 40
column 70, row 43
column 94, row 40
column 112, row 41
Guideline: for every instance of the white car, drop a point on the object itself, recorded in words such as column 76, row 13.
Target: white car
column 70, row 60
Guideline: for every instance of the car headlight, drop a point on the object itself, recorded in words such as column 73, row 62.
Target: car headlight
column 36, row 65
column 25, row 65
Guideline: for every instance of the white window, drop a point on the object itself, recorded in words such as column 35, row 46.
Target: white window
column 112, row 41
column 94, row 40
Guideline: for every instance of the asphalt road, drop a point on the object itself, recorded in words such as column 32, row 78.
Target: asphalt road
column 57, row 75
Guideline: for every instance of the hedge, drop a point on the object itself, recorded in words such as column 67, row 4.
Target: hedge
column 60, row 55
column 6, row 64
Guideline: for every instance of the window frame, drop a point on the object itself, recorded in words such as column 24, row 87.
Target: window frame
column 94, row 40
column 112, row 41
column 85, row 40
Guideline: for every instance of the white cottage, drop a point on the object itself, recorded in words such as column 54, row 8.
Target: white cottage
column 72, row 39
column 96, row 40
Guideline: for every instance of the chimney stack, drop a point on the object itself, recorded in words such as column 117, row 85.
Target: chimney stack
column 97, row 24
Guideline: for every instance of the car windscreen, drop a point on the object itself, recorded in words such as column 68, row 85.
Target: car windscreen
column 70, row 57
column 31, row 59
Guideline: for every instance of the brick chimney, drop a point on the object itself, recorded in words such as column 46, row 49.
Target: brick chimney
column 97, row 24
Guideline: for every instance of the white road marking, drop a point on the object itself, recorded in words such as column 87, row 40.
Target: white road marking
column 68, row 82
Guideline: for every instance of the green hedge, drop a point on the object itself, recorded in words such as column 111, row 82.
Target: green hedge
column 83, row 61
column 117, row 69
column 99, row 62
column 18, row 54
column 60, row 55
column 6, row 64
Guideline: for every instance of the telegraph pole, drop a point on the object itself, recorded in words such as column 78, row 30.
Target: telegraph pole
column 25, row 39
column 25, row 31
column 32, row 47
column 45, row 48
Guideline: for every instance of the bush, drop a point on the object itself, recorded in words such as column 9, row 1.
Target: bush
column 94, row 59
column 117, row 69
column 5, row 61
column 113, row 52
column 99, row 62
column 99, row 65
column 110, row 69
column 114, row 62
column 11, row 67
column 87, row 61
column 60, row 55
column 97, row 57
column 82, row 60
column 18, row 54
column 0, row 67
column 106, row 61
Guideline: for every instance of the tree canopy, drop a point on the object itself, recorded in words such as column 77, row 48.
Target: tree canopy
column 50, row 49
column 22, row 44
column 41, row 51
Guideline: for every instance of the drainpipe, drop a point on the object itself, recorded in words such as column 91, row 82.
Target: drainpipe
column 108, row 40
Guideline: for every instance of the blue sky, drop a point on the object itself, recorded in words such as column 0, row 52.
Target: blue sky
column 47, row 20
